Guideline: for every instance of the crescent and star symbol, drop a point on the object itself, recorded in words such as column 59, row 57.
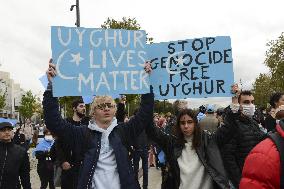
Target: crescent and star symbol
column 76, row 58
column 179, row 60
column 59, row 60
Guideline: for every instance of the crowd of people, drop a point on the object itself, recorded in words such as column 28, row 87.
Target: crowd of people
column 239, row 146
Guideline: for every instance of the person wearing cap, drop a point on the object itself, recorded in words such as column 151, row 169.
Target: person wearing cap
column 209, row 122
column 14, row 161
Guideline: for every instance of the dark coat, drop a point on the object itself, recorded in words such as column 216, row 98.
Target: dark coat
column 89, row 142
column 244, row 140
column 208, row 153
column 14, row 163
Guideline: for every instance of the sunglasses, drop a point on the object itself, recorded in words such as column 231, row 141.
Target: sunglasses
column 104, row 106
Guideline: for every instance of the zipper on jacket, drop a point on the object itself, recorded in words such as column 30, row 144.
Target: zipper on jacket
column 2, row 171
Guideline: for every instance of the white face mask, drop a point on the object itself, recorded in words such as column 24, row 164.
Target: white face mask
column 248, row 110
column 235, row 107
column 48, row 138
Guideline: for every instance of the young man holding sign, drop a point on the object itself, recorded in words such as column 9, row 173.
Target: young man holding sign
column 103, row 142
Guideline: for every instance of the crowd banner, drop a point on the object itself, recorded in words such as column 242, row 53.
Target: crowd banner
column 93, row 61
column 192, row 68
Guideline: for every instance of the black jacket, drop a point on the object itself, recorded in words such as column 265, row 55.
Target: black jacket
column 236, row 150
column 63, row 151
column 89, row 142
column 14, row 163
column 270, row 123
column 208, row 153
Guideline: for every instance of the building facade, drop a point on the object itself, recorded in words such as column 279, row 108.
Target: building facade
column 14, row 94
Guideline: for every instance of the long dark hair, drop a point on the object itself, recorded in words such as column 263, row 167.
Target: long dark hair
column 196, row 133
column 275, row 97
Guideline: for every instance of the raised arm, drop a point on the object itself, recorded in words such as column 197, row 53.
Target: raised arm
column 144, row 116
column 53, row 120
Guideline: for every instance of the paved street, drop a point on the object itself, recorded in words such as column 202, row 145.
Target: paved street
column 154, row 176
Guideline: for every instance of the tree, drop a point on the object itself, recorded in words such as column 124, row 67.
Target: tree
column 262, row 89
column 2, row 98
column 163, row 106
column 128, row 24
column 275, row 62
column 66, row 104
column 28, row 105
column 3, row 93
column 266, row 84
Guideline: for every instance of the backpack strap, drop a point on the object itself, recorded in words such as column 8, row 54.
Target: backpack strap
column 279, row 142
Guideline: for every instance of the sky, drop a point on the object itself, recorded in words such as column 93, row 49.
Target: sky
column 25, row 30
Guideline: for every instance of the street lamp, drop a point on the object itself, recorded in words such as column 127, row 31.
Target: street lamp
column 77, row 13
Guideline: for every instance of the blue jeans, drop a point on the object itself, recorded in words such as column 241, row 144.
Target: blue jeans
column 143, row 154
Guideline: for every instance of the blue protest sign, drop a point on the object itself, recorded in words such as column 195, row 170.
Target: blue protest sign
column 192, row 68
column 97, row 62
column 88, row 99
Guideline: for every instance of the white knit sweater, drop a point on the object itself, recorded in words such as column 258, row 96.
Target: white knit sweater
column 192, row 172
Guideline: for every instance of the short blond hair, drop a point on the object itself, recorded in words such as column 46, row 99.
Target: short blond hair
column 99, row 100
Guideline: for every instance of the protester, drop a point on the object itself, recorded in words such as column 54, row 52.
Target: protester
column 210, row 122
column 276, row 100
column 14, row 161
column 141, row 151
column 104, row 143
column 45, row 165
column 28, row 131
column 245, row 139
column 201, row 114
column 193, row 157
column 262, row 168
column 19, row 138
column 120, row 113
column 70, row 160
column 220, row 116
column 270, row 121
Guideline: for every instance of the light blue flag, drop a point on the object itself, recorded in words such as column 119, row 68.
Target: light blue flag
column 193, row 68
column 44, row 81
column 12, row 121
column 93, row 61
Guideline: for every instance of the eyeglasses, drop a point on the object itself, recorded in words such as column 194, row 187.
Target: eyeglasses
column 103, row 106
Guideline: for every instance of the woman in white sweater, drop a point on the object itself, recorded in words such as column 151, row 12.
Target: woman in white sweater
column 193, row 157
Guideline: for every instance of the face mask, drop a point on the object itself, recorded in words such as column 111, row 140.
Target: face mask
column 248, row 110
column 48, row 138
column 235, row 107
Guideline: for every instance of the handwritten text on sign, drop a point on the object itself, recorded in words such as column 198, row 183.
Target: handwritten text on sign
column 193, row 68
column 96, row 61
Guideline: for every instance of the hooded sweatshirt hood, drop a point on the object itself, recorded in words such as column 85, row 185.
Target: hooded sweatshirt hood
column 106, row 175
